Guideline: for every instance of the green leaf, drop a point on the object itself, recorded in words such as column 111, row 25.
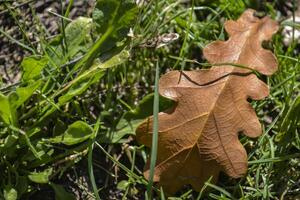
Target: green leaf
column 116, row 17
column 7, row 114
column 23, row 94
column 32, row 67
column 61, row 193
column 10, row 193
column 40, row 177
column 59, row 127
column 10, row 103
column 93, row 75
column 78, row 35
column 144, row 108
column 77, row 39
column 80, row 86
column 114, row 61
column 123, row 185
column 113, row 28
column 130, row 120
column 81, row 83
column 124, row 127
column 77, row 132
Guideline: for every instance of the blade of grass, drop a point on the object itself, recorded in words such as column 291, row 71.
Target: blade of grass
column 155, row 133
column 15, row 7
column 185, row 12
column 223, row 191
column 69, row 8
column 60, row 16
column 21, row 28
column 90, row 160
column 17, row 42
column 203, row 188
column 123, row 167
column 275, row 159
column 64, row 44
column 187, row 30
column 162, row 194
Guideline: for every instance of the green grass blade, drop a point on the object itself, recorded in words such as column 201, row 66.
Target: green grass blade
column 223, row 191
column 90, row 161
column 155, row 133
column 17, row 42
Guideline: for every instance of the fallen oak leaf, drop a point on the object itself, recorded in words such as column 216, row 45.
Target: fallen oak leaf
column 198, row 137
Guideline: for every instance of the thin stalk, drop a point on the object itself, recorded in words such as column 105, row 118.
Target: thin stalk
column 90, row 160
column 17, row 42
column 187, row 30
column 20, row 27
column 155, row 134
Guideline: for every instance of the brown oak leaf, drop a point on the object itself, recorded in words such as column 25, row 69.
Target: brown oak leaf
column 198, row 137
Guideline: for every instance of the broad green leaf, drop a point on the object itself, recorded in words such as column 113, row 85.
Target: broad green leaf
column 78, row 39
column 113, row 19
column 32, row 67
column 78, row 35
column 124, row 15
column 130, row 120
column 7, row 114
column 10, row 193
column 80, row 86
column 123, row 185
column 40, row 177
column 77, row 132
column 10, row 103
column 61, row 193
column 114, row 61
column 144, row 108
column 84, row 81
column 124, row 127
column 59, row 127
column 23, row 94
